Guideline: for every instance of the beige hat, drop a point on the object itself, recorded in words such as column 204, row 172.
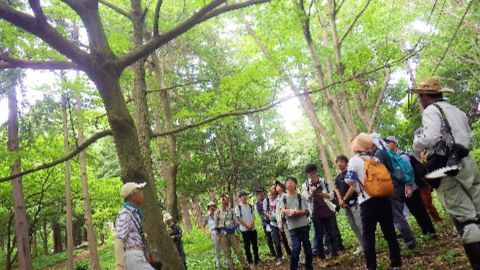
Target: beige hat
column 128, row 187
column 210, row 203
column 167, row 216
column 431, row 85
column 362, row 143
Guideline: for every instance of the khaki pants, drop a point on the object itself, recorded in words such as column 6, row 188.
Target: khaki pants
column 230, row 241
column 460, row 196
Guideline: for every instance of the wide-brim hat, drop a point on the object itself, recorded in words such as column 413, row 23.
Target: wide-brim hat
column 129, row 187
column 362, row 143
column 430, row 85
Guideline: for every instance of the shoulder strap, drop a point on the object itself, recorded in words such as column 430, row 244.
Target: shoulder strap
column 240, row 210
column 445, row 121
column 251, row 209
column 299, row 201
column 284, row 198
column 268, row 204
column 136, row 222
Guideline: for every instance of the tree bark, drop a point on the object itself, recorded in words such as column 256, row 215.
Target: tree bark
column 21, row 224
column 168, row 146
column 197, row 212
column 44, row 236
column 92, row 240
column 68, row 192
column 187, row 221
column 57, row 237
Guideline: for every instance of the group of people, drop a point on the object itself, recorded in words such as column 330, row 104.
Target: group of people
column 372, row 187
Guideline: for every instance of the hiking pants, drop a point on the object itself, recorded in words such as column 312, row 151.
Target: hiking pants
column 373, row 211
column 416, row 207
column 460, row 196
column 230, row 241
column 218, row 250
column 268, row 236
column 250, row 239
column 426, row 195
column 276, row 238
column 398, row 218
column 353, row 217
column 324, row 226
column 135, row 259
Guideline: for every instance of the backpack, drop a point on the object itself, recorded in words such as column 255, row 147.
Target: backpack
column 402, row 171
column 378, row 182
column 419, row 171
column 240, row 210
column 299, row 201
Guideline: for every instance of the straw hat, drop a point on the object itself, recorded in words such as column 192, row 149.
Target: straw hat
column 362, row 143
column 431, row 85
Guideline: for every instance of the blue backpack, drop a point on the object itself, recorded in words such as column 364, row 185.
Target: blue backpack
column 402, row 171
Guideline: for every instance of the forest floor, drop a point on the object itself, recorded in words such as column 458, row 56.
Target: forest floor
column 445, row 252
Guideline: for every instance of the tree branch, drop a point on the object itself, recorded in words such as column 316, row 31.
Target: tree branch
column 117, row 9
column 338, row 7
column 177, row 86
column 208, row 11
column 208, row 120
column 156, row 17
column 453, row 37
column 37, row 10
column 45, row 32
column 353, row 23
column 7, row 62
column 70, row 155
column 380, row 98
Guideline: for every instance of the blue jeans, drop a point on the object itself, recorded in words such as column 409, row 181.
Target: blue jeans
column 300, row 236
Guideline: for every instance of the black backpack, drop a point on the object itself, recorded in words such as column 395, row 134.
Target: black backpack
column 419, row 171
column 240, row 210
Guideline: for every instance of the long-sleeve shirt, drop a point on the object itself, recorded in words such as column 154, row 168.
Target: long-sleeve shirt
column 431, row 131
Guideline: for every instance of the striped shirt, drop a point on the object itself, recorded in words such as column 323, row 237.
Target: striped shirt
column 126, row 228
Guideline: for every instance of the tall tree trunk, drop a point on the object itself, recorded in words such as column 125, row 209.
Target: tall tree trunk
column 197, row 212
column 337, row 120
column 45, row 236
column 187, row 221
column 350, row 126
column 166, row 146
column 68, row 192
column 21, row 225
column 57, row 237
column 307, row 104
column 92, row 240
column 133, row 164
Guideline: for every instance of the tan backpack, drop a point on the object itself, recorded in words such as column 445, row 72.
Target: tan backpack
column 378, row 182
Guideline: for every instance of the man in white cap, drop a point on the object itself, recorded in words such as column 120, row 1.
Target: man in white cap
column 129, row 231
column 459, row 191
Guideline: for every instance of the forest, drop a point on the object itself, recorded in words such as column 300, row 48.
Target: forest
column 199, row 98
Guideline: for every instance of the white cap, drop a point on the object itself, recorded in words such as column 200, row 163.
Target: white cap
column 127, row 188
column 167, row 216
